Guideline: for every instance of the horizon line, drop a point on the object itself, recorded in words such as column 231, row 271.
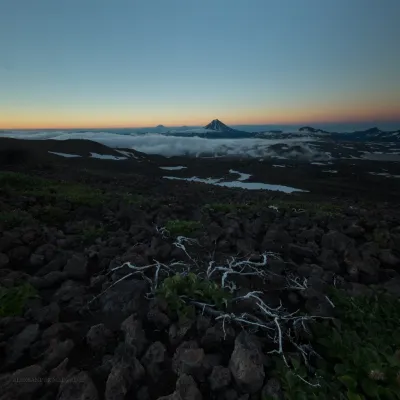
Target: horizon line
column 373, row 123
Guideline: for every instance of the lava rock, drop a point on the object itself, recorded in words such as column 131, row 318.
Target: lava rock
column 19, row 344
column 49, row 280
column 47, row 250
column 57, row 264
column 98, row 337
column 121, row 379
column 302, row 251
column 76, row 267
column 28, row 380
column 189, row 359
column 336, row 241
column 134, row 334
column 247, row 363
column 160, row 320
column 272, row 390
column 4, row 260
column 389, row 259
column 153, row 360
column 19, row 254
column 57, row 352
column 220, row 378
column 69, row 290
column 78, row 386
column 186, row 389
column 36, row 260
column 46, row 315
column 123, row 299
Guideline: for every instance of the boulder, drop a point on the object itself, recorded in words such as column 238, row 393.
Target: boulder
column 189, row 359
column 51, row 279
column 122, row 378
column 336, row 241
column 220, row 378
column 98, row 337
column 19, row 254
column 57, row 351
column 153, row 360
column 46, row 315
column 4, row 260
column 134, row 334
column 247, row 363
column 123, row 299
column 21, row 384
column 272, row 390
column 19, row 344
column 78, row 386
column 47, row 250
column 389, row 259
column 36, row 260
column 76, row 267
column 186, row 389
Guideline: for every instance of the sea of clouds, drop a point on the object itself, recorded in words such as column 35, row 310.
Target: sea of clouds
column 168, row 146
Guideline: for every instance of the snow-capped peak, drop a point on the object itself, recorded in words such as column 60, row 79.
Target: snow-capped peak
column 217, row 125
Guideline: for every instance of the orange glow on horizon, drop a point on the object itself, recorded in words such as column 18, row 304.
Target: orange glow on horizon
column 261, row 116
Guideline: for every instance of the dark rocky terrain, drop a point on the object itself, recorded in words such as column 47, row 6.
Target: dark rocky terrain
column 66, row 225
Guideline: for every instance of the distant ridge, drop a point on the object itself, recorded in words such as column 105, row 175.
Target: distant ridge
column 311, row 130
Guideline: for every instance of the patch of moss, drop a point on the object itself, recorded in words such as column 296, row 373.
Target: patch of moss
column 227, row 207
column 49, row 214
column 92, row 232
column 50, row 190
column 184, row 228
column 15, row 218
column 13, row 300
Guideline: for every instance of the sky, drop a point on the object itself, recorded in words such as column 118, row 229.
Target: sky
column 131, row 63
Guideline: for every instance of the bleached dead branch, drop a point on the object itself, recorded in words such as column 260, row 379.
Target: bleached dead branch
column 276, row 322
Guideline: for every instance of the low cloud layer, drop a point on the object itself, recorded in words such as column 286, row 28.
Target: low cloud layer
column 169, row 146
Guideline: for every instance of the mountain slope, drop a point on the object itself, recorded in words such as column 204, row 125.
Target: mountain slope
column 217, row 125
column 214, row 130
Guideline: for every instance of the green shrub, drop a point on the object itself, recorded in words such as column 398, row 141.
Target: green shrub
column 13, row 300
column 91, row 232
column 185, row 228
column 359, row 352
column 18, row 180
column 15, row 218
column 178, row 288
column 50, row 214
column 227, row 207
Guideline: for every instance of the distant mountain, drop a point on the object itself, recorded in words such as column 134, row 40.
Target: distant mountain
column 214, row 130
column 160, row 126
column 310, row 129
column 217, row 125
column 369, row 135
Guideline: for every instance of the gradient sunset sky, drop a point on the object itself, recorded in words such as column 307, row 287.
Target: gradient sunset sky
column 113, row 63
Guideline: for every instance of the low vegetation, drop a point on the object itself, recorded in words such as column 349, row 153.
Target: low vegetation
column 178, row 227
column 49, row 214
column 92, row 232
column 226, row 207
column 178, row 289
column 15, row 218
column 358, row 353
column 13, row 300
column 50, row 190
column 319, row 209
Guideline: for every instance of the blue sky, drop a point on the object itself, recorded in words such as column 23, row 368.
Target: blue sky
column 66, row 63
